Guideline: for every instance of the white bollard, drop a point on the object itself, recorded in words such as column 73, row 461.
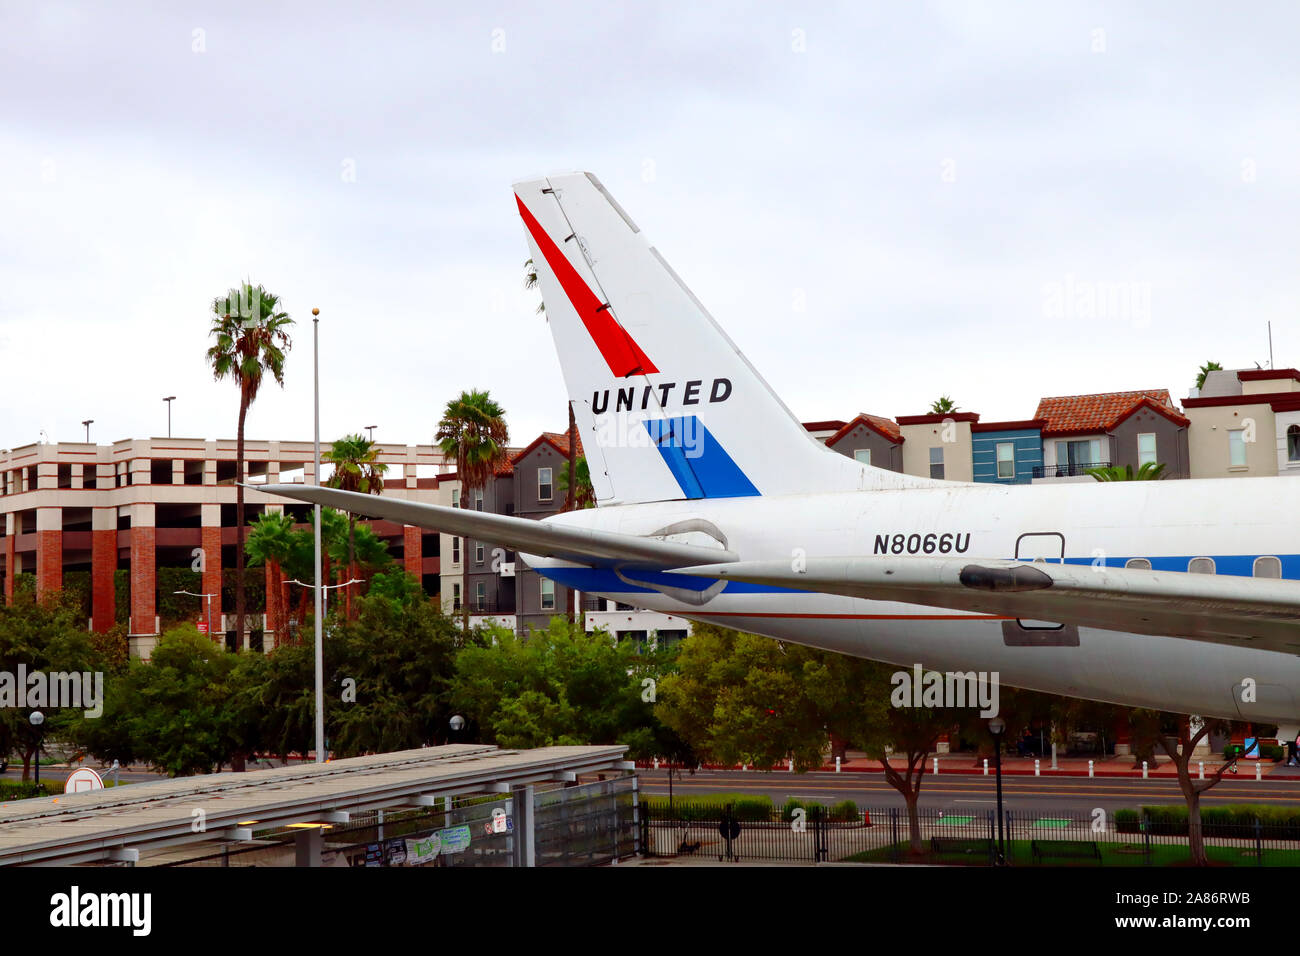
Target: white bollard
column 936, row 766
column 1036, row 768
column 986, row 766
column 656, row 763
column 1090, row 768
column 1201, row 773
column 1144, row 770
column 792, row 765
column 837, row 764
column 1257, row 771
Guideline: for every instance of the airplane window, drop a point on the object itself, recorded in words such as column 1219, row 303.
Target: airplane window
column 1268, row 567
column 1142, row 564
column 1201, row 566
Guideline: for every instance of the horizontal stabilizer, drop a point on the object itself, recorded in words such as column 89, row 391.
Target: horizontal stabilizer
column 1222, row 609
column 595, row 548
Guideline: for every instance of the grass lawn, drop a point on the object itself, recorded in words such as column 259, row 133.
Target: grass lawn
column 1020, row 853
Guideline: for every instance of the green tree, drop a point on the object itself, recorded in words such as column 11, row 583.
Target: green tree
column 48, row 636
column 580, row 492
column 356, row 468
column 473, row 431
column 560, row 686
column 1205, row 370
column 530, row 282
column 389, row 670
column 942, row 406
column 271, row 543
column 181, row 711
column 251, row 340
column 741, row 698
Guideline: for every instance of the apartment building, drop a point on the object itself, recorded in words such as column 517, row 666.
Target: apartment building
column 1246, row 422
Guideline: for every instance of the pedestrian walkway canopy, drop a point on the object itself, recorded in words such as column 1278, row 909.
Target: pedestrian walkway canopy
column 115, row 825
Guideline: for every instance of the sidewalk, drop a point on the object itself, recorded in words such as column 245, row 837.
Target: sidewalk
column 966, row 763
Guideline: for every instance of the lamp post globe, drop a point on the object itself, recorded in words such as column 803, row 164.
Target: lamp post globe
column 38, row 719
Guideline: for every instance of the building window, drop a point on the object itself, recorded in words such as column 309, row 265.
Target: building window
column 1141, row 564
column 478, row 499
column 1201, row 566
column 480, row 595
column 455, row 597
column 863, row 455
column 1237, row 447
column 1074, row 458
column 936, row 462
column 1268, row 566
column 544, row 490
column 478, row 551
column 1293, row 443
column 548, row 593
column 455, row 550
column 1006, row 459
column 1146, row 449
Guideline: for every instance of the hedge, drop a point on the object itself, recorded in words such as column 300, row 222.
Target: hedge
column 1232, row 820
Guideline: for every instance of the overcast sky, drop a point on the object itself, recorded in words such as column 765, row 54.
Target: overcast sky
column 880, row 205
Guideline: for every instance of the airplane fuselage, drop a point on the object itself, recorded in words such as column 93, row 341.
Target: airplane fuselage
column 1240, row 525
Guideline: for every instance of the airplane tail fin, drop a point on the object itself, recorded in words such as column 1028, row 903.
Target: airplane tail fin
column 667, row 406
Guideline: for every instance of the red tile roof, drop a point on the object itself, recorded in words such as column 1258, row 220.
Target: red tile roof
column 557, row 440
column 883, row 426
column 832, row 425
column 1084, row 414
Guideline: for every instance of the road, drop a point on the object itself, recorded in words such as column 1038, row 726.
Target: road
column 962, row 792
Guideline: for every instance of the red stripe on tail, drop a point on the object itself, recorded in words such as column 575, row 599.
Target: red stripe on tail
column 623, row 356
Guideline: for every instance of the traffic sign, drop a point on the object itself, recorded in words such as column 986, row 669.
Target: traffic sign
column 203, row 627
column 82, row 780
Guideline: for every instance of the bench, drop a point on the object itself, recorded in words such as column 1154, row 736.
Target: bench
column 966, row 846
column 1065, row 850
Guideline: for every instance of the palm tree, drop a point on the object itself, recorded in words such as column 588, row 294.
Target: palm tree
column 1150, row 471
column 1205, row 370
column 252, row 339
column 942, row 406
column 473, row 431
column 356, row 468
column 582, row 494
column 530, row 282
column 271, row 542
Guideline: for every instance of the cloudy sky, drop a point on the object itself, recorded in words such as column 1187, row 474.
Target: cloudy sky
column 880, row 203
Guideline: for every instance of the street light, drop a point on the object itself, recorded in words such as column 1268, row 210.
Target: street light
column 998, row 727
column 169, row 399
column 209, row 602
column 38, row 721
column 88, row 422
column 371, row 429
column 457, row 724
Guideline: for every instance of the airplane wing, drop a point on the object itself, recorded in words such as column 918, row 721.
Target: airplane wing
column 594, row 548
column 1224, row 609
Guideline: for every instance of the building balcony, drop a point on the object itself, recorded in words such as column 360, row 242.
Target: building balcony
column 491, row 607
column 1078, row 469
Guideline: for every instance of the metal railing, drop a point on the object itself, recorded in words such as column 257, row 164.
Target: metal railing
column 1077, row 469
column 1132, row 838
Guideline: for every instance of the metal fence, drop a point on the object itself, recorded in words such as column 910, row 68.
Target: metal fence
column 884, row 835
column 586, row 825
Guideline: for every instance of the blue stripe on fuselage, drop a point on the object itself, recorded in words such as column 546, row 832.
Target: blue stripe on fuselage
column 604, row 580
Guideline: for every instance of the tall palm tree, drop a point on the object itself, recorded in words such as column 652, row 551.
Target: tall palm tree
column 473, row 431
column 271, row 543
column 356, row 468
column 252, row 339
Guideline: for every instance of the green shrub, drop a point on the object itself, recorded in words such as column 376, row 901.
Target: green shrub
column 846, row 811
column 20, row 790
column 1232, row 820
column 747, row 808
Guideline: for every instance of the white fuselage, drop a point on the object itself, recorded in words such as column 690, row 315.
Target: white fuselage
column 1232, row 521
